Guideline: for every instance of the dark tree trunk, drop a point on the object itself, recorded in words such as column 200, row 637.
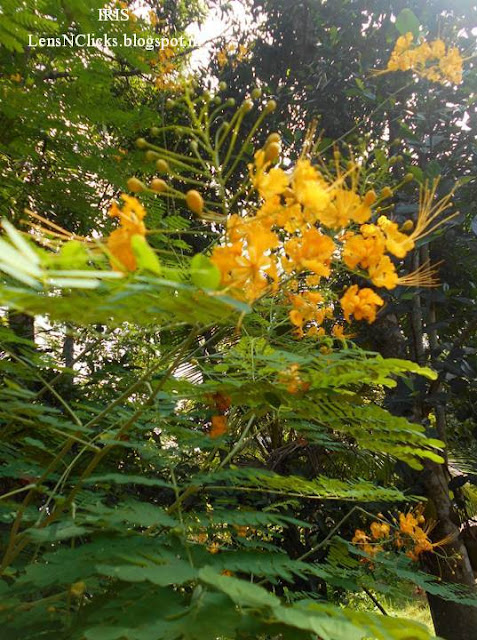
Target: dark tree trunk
column 22, row 325
column 68, row 350
column 452, row 621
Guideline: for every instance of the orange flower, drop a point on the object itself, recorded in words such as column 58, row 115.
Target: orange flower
column 337, row 331
column 119, row 241
column 379, row 530
column 306, row 310
column 384, row 274
column 407, row 523
column 268, row 184
column 292, row 379
column 219, row 426
column 359, row 537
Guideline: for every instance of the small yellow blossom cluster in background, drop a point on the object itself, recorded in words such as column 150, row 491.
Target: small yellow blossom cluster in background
column 409, row 533
column 309, row 221
column 292, row 379
column 165, row 66
column 432, row 60
column 231, row 54
column 309, row 309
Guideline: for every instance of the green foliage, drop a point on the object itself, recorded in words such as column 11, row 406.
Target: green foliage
column 128, row 502
column 407, row 22
column 121, row 517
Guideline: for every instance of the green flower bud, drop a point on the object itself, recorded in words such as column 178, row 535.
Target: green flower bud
column 270, row 106
column 162, row 165
column 151, row 155
column 247, row 105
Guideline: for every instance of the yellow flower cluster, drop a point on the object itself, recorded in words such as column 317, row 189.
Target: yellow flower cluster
column 409, row 533
column 292, row 379
column 308, row 220
column 431, row 60
column 165, row 67
column 309, row 311
column 362, row 303
column 231, row 53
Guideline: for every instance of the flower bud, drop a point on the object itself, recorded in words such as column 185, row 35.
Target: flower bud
column 169, row 103
column 151, row 155
column 222, row 86
column 194, row 201
column 270, row 106
column 217, row 100
column 77, row 589
column 158, row 185
column 407, row 225
column 370, row 198
column 155, row 131
column 387, row 192
column 141, row 143
column 162, row 165
column 135, row 185
column 230, row 102
column 272, row 151
column 247, row 105
column 256, row 93
column 194, row 146
column 408, row 177
column 273, row 137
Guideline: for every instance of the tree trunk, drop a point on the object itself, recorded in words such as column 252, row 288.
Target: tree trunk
column 452, row 621
column 22, row 325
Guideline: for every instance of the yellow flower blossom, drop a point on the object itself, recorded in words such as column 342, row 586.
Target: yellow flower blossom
column 347, row 206
column 383, row 274
column 292, row 379
column 365, row 249
column 268, row 184
column 312, row 251
column 397, row 243
column 310, row 188
column 119, row 241
column 361, row 303
column 380, row 530
column 431, row 60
